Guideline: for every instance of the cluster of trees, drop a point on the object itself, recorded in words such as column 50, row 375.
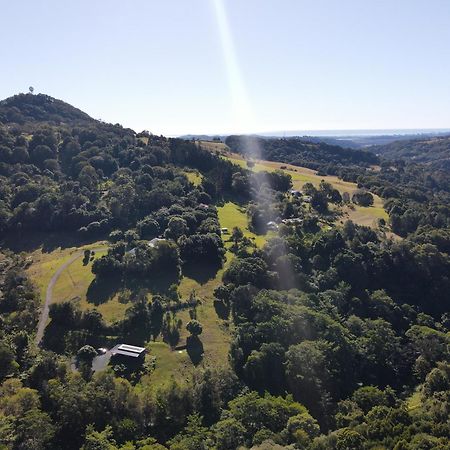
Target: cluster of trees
column 94, row 177
column 416, row 196
column 413, row 179
column 25, row 108
column 142, row 261
column 19, row 308
column 354, row 315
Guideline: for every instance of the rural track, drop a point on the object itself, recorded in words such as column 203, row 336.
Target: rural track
column 49, row 293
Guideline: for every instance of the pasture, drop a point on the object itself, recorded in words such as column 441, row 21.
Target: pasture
column 367, row 216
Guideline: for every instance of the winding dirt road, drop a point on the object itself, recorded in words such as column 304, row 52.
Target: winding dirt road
column 49, row 294
column 48, row 297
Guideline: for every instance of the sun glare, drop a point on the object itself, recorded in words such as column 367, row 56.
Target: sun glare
column 243, row 116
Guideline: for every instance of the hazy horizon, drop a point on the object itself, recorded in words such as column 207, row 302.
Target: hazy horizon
column 339, row 133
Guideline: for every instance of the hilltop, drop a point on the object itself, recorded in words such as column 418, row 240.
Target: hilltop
column 25, row 108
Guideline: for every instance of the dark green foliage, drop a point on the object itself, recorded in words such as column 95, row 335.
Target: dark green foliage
column 332, row 328
column 299, row 151
column 432, row 151
column 362, row 198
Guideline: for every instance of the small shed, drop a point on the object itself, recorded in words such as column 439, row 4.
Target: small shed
column 128, row 352
column 293, row 221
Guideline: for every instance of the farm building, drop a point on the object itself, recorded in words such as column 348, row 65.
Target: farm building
column 128, row 352
column 293, row 221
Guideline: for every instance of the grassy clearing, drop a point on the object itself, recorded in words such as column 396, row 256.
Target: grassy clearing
column 194, row 177
column 213, row 146
column 216, row 334
column 75, row 280
column 169, row 365
column 367, row 216
column 45, row 264
column 415, row 400
column 74, row 283
column 232, row 215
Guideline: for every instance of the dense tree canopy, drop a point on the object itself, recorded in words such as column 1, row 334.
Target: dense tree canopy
column 339, row 335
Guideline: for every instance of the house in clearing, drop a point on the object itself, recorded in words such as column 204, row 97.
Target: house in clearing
column 155, row 241
column 128, row 353
column 293, row 221
column 152, row 244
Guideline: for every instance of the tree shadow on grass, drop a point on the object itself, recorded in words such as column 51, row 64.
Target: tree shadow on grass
column 28, row 241
column 222, row 309
column 202, row 272
column 102, row 290
column 194, row 348
column 160, row 283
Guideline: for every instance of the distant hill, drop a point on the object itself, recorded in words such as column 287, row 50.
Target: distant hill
column 433, row 151
column 346, row 138
column 302, row 152
column 25, row 108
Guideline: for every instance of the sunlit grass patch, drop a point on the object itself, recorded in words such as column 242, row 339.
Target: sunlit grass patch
column 194, row 177
column 170, row 364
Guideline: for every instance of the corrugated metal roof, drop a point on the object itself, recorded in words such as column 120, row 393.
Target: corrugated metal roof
column 128, row 350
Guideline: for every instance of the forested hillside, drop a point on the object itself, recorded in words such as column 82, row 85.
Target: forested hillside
column 433, row 151
column 268, row 320
column 298, row 151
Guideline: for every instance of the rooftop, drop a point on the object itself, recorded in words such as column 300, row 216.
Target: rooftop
column 128, row 350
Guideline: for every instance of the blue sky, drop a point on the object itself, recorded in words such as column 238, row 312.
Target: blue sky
column 220, row 66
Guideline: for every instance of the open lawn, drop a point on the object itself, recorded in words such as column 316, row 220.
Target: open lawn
column 73, row 285
column 232, row 215
column 169, row 364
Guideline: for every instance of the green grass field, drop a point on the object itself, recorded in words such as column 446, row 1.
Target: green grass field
column 73, row 285
column 232, row 215
column 367, row 216
column 415, row 400
column 169, row 364
column 45, row 264
column 194, row 177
